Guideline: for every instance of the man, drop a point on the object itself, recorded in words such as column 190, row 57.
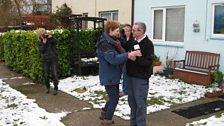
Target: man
column 49, row 57
column 138, row 72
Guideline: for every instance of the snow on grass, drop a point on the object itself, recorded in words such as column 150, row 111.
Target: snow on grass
column 217, row 120
column 163, row 93
column 17, row 110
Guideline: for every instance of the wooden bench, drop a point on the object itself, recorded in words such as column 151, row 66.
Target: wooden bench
column 197, row 67
column 85, row 60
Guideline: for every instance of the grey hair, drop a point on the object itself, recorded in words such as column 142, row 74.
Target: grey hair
column 141, row 26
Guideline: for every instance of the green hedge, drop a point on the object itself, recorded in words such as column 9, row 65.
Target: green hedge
column 20, row 51
column 64, row 49
column 1, row 48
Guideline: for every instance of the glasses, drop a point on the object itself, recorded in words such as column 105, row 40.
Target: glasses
column 135, row 30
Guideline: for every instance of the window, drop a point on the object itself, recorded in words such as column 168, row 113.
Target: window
column 168, row 24
column 85, row 23
column 109, row 15
column 218, row 20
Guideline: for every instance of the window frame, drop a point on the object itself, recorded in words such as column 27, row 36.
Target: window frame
column 164, row 9
column 111, row 14
column 213, row 35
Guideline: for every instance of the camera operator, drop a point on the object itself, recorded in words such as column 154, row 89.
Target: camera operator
column 49, row 57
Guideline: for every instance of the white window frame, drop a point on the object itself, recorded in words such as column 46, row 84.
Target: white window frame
column 111, row 14
column 163, row 24
column 213, row 21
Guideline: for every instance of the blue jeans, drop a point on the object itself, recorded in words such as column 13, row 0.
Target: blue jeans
column 113, row 94
column 125, row 77
column 137, row 100
column 50, row 67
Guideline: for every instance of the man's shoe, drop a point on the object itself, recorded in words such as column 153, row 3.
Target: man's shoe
column 48, row 91
column 55, row 92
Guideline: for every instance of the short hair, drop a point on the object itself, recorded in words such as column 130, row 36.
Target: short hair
column 141, row 26
column 40, row 31
column 111, row 25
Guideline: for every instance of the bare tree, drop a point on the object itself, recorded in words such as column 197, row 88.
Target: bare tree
column 11, row 11
column 7, row 12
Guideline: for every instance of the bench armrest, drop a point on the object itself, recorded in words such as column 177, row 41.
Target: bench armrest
column 215, row 67
column 179, row 61
column 212, row 67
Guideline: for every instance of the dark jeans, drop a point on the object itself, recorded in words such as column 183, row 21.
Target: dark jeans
column 50, row 67
column 113, row 94
column 125, row 77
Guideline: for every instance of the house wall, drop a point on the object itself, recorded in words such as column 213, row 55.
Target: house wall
column 93, row 7
column 200, row 10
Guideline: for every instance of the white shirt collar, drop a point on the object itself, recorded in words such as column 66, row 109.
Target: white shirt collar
column 141, row 39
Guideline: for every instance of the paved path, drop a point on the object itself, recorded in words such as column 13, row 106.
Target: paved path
column 79, row 117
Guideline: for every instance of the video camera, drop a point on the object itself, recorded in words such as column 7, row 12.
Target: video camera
column 45, row 36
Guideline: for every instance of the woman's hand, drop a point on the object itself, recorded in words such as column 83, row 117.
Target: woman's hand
column 132, row 55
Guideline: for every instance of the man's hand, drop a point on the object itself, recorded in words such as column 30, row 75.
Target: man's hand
column 136, row 53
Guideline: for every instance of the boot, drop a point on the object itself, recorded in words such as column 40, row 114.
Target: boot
column 48, row 91
column 107, row 122
column 103, row 115
column 55, row 92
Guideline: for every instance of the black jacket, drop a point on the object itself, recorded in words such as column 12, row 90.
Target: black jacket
column 142, row 66
column 127, row 45
column 48, row 50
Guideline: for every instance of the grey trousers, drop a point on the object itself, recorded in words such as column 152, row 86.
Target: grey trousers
column 137, row 100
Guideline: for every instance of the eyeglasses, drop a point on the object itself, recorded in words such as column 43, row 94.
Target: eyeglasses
column 135, row 30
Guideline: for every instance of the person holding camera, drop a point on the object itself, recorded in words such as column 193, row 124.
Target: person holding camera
column 49, row 58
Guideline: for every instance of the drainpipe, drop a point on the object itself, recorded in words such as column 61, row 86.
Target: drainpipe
column 206, row 22
column 132, row 11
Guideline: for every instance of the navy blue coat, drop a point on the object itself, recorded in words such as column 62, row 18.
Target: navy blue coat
column 109, row 61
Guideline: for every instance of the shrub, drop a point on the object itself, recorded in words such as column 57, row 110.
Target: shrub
column 20, row 50
column 217, row 76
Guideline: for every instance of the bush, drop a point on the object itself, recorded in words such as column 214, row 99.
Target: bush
column 1, row 48
column 20, row 50
column 21, row 53
column 217, row 76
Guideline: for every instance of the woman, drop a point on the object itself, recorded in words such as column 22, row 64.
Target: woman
column 110, row 57
column 127, row 45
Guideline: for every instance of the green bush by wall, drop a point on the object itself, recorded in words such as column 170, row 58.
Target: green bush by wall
column 20, row 50
column 1, row 48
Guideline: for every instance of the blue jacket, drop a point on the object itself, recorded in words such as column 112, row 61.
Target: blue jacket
column 109, row 61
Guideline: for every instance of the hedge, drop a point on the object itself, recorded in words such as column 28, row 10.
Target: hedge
column 20, row 51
